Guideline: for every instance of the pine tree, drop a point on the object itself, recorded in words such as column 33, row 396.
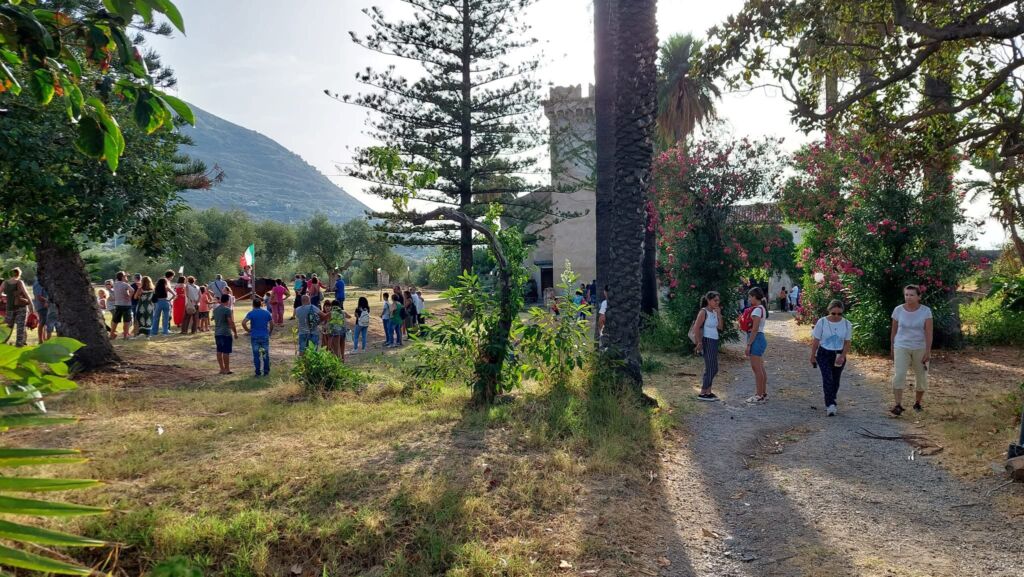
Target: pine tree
column 472, row 117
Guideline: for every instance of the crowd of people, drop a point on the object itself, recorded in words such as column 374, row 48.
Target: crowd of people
column 831, row 338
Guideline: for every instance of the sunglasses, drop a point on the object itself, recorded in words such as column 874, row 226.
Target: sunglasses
column 835, row 314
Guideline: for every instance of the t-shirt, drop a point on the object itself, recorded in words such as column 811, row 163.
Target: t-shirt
column 833, row 336
column 794, row 293
column 204, row 302
column 910, row 332
column 758, row 312
column 38, row 291
column 603, row 308
column 121, row 294
column 222, row 318
column 339, row 289
column 218, row 287
column 259, row 322
column 191, row 294
column 386, row 313
column 160, row 292
column 298, row 285
column 278, row 291
column 417, row 300
column 309, row 319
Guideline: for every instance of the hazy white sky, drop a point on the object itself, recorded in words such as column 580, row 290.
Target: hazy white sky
column 264, row 64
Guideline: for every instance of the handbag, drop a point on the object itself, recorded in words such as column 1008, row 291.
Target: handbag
column 32, row 321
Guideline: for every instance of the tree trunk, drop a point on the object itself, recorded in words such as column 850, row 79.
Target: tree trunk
column 939, row 171
column 63, row 275
column 635, row 111
column 604, row 110
column 466, row 151
column 649, row 280
column 492, row 358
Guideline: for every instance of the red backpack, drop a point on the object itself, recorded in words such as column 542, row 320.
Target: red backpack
column 747, row 319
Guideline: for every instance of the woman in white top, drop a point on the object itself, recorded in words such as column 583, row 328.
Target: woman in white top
column 911, row 344
column 830, row 343
column 705, row 336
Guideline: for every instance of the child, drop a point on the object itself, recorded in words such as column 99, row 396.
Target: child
column 756, row 314
column 204, row 310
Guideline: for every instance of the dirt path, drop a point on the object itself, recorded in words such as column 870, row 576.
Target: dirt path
column 779, row 489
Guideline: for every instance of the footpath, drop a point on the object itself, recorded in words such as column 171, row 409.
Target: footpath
column 782, row 490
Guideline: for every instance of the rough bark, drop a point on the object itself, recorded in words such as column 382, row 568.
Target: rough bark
column 63, row 274
column 466, row 153
column 604, row 109
column 635, row 112
column 649, row 279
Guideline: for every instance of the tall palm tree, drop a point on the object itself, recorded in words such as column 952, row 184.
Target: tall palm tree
column 635, row 112
column 604, row 112
column 684, row 98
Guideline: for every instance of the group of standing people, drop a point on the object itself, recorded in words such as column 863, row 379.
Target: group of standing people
column 831, row 338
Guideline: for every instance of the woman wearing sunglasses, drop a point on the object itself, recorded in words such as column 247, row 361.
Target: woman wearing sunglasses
column 830, row 343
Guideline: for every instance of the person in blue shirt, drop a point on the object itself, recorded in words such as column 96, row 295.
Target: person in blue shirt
column 339, row 291
column 260, row 325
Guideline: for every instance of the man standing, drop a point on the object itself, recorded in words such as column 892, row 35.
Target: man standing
column 309, row 316
column 162, row 296
column 218, row 287
column 794, row 297
column 222, row 334
column 121, row 294
column 259, row 324
column 339, row 291
column 41, row 301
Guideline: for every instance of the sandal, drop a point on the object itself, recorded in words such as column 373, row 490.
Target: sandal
column 897, row 410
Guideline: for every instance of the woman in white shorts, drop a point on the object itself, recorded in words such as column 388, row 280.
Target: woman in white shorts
column 911, row 345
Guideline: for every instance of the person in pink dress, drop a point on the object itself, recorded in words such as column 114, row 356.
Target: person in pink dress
column 179, row 302
column 278, row 294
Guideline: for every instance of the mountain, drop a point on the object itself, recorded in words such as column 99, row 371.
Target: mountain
column 261, row 177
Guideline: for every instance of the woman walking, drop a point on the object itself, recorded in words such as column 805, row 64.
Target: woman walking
column 179, row 302
column 911, row 342
column 830, row 343
column 752, row 323
column 362, row 324
column 144, row 313
column 19, row 305
column 704, row 333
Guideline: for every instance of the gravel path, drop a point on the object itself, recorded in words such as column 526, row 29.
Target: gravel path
column 779, row 489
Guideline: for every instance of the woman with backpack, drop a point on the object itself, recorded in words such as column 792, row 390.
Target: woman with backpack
column 830, row 343
column 704, row 334
column 362, row 324
column 752, row 323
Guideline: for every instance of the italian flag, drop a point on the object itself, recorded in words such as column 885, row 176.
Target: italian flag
column 248, row 257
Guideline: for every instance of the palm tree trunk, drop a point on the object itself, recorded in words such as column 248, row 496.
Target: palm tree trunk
column 649, row 280
column 63, row 274
column 635, row 112
column 604, row 109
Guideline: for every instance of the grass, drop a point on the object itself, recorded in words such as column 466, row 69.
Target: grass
column 248, row 477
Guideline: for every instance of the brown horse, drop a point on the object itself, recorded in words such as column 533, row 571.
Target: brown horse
column 241, row 292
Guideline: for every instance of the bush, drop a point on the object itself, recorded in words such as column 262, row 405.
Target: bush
column 987, row 322
column 321, row 372
column 661, row 334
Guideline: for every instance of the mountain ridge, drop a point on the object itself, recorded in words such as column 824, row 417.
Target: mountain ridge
column 261, row 177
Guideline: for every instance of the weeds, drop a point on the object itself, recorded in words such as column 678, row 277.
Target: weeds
column 320, row 371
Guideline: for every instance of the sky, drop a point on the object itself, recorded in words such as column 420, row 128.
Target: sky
column 264, row 64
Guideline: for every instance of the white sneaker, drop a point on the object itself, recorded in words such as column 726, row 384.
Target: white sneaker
column 756, row 400
column 830, row 410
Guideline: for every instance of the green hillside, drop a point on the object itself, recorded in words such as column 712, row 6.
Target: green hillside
column 262, row 177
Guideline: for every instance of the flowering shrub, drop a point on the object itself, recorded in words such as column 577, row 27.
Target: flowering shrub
column 872, row 227
column 700, row 247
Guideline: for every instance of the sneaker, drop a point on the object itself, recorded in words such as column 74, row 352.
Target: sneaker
column 918, row 407
column 830, row 410
column 707, row 397
column 897, row 410
column 757, row 400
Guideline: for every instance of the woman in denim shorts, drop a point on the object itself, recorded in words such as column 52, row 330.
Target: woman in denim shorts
column 757, row 345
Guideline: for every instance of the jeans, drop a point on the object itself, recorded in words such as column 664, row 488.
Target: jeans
column 830, row 374
column 396, row 328
column 359, row 331
column 258, row 344
column 710, row 348
column 308, row 339
column 161, row 308
column 387, row 331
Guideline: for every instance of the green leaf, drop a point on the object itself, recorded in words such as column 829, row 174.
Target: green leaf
column 75, row 100
column 68, row 343
column 178, row 106
column 29, row 534
column 33, row 457
column 48, row 352
column 59, row 369
column 32, row 485
column 55, row 384
column 168, row 9
column 90, row 137
column 16, row 506
column 145, row 10
column 42, row 82
column 23, row 560
column 8, row 81
column 32, row 420
column 122, row 8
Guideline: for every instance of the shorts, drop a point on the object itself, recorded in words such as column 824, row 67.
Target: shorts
column 759, row 346
column 339, row 331
column 204, row 315
column 223, row 343
column 122, row 313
